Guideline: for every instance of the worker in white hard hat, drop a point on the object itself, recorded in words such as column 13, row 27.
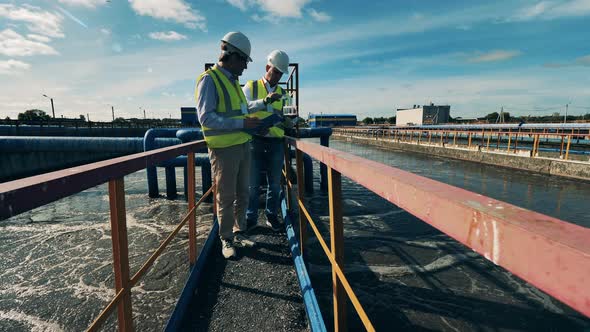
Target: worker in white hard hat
column 267, row 150
column 224, row 115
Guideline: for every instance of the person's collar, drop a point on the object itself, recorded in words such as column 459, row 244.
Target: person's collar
column 226, row 73
column 268, row 84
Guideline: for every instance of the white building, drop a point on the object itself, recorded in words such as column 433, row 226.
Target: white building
column 422, row 115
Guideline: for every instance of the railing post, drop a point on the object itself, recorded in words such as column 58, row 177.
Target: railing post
column 287, row 150
column 561, row 148
column 300, row 193
column 508, row 145
column 567, row 149
column 120, row 252
column 337, row 247
column 192, row 227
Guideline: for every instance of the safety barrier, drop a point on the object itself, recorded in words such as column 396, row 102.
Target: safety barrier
column 490, row 140
column 23, row 195
column 505, row 234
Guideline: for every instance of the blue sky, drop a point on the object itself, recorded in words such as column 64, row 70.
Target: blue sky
column 367, row 58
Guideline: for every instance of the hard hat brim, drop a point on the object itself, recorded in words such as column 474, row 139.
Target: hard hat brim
column 237, row 50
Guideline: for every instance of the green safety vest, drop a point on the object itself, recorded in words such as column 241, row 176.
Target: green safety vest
column 230, row 98
column 258, row 91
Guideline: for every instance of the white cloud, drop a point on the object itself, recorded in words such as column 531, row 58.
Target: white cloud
column 39, row 38
column 241, row 4
column 548, row 10
column 498, row 55
column 319, row 16
column 167, row 36
column 105, row 31
column 37, row 20
column 11, row 66
column 84, row 3
column 170, row 10
column 284, row 8
column 275, row 9
column 266, row 18
column 14, row 44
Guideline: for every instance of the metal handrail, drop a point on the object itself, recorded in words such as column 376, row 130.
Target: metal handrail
column 505, row 234
column 408, row 135
column 26, row 194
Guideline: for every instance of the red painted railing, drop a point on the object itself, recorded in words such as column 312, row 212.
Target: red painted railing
column 549, row 253
column 26, row 194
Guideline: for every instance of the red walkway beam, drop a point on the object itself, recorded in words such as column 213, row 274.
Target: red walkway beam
column 23, row 195
column 549, row 253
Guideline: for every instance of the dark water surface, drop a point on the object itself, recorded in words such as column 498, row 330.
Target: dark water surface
column 56, row 272
column 55, row 264
column 411, row 277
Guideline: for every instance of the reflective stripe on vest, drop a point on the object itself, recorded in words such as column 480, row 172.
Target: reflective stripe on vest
column 230, row 99
column 258, row 91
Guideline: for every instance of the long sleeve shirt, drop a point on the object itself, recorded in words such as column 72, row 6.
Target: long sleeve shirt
column 207, row 100
column 269, row 89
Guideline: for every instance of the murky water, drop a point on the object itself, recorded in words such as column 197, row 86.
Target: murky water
column 409, row 276
column 56, row 272
column 555, row 196
column 55, row 268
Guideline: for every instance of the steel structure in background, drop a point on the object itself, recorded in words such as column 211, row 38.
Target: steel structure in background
column 507, row 235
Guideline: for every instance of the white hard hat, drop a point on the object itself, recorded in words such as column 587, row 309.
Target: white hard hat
column 280, row 60
column 239, row 41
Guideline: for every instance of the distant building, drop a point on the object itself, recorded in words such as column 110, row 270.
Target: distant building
column 188, row 116
column 331, row 120
column 422, row 115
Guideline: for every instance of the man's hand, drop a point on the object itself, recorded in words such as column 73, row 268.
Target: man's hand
column 272, row 97
column 252, row 123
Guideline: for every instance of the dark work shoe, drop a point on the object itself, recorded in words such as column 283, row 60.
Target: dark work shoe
column 241, row 240
column 274, row 223
column 251, row 225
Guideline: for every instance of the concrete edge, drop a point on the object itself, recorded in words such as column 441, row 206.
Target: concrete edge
column 192, row 283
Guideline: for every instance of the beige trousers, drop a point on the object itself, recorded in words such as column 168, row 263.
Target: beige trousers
column 231, row 171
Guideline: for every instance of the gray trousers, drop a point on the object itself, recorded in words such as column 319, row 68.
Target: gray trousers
column 231, row 172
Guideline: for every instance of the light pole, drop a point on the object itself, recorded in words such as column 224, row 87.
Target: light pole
column 113, row 111
column 52, row 108
column 565, row 117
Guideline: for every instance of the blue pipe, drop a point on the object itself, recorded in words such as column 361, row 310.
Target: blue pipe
column 182, row 136
column 149, row 144
column 193, row 134
column 26, row 156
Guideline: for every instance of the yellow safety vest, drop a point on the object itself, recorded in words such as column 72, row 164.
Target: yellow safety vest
column 258, row 91
column 230, row 98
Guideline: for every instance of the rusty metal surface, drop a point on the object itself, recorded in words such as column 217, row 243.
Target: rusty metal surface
column 22, row 195
column 551, row 254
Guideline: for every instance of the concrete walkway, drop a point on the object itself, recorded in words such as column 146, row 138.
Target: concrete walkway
column 257, row 291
